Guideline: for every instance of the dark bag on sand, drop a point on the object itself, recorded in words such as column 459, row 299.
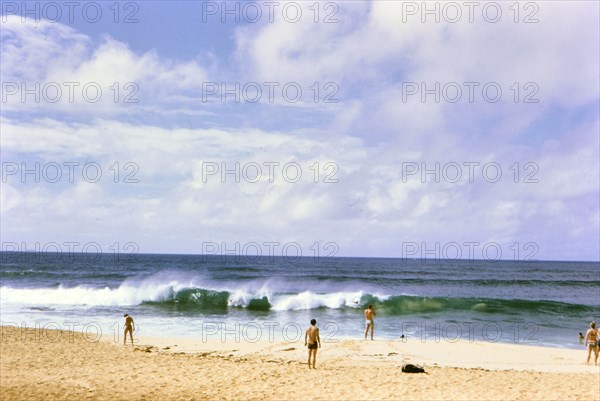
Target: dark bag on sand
column 410, row 368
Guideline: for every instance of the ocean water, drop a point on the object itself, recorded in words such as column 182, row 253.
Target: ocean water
column 245, row 298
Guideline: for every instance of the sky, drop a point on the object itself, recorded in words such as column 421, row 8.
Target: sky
column 400, row 129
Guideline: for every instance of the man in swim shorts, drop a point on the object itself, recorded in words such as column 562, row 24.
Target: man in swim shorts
column 591, row 342
column 369, row 323
column 313, row 341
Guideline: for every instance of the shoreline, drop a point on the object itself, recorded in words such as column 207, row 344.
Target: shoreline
column 456, row 354
column 526, row 334
column 51, row 364
column 461, row 354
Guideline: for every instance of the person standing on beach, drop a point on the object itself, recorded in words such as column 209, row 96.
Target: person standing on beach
column 128, row 329
column 591, row 342
column 369, row 324
column 312, row 339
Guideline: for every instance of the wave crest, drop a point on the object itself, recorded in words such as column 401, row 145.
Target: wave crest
column 190, row 296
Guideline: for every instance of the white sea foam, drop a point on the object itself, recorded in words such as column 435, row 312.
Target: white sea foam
column 310, row 300
column 166, row 286
column 129, row 295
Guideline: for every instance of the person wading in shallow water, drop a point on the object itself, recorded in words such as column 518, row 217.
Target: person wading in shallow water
column 129, row 326
column 313, row 341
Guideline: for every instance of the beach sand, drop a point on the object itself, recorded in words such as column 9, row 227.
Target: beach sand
column 50, row 365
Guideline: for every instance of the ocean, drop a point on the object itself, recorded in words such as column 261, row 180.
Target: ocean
column 243, row 298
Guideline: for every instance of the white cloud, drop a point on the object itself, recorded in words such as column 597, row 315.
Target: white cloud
column 371, row 52
column 372, row 41
column 371, row 200
column 69, row 67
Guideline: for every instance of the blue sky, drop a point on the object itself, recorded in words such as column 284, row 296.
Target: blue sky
column 379, row 93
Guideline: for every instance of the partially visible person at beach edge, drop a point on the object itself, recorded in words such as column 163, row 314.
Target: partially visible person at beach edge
column 581, row 338
column 369, row 323
column 313, row 341
column 591, row 342
column 129, row 324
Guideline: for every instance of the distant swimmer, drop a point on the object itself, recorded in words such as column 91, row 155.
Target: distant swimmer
column 129, row 327
column 591, row 342
column 581, row 338
column 369, row 323
column 313, row 341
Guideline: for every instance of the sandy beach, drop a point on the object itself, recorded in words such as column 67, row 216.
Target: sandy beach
column 51, row 365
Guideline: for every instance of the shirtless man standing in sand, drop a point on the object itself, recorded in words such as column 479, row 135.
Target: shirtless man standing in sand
column 128, row 329
column 369, row 324
column 312, row 339
column 591, row 342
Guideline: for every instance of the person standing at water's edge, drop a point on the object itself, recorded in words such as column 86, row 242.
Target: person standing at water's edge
column 369, row 323
column 128, row 329
column 312, row 339
column 591, row 342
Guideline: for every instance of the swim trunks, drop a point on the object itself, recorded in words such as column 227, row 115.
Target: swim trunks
column 369, row 322
column 592, row 344
column 313, row 345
